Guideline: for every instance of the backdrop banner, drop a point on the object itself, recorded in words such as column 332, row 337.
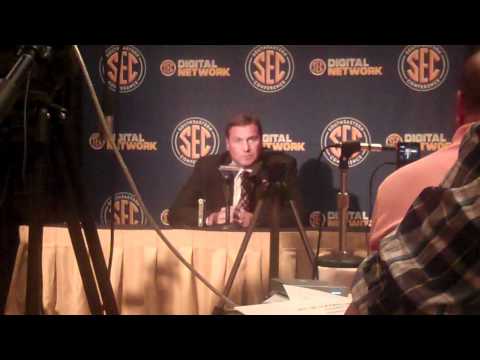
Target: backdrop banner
column 174, row 102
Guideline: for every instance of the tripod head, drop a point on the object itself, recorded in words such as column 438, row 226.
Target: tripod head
column 26, row 138
column 272, row 181
column 10, row 87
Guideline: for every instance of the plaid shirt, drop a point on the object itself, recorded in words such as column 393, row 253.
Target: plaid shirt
column 431, row 263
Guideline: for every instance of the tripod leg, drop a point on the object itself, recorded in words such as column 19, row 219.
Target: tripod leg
column 84, row 267
column 315, row 272
column 275, row 237
column 91, row 234
column 241, row 253
column 100, row 266
column 78, row 243
column 34, row 270
column 9, row 244
column 37, row 206
column 303, row 235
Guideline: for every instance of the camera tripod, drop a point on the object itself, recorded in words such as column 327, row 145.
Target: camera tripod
column 274, row 191
column 54, row 145
column 51, row 128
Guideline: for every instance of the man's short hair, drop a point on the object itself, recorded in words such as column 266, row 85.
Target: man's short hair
column 244, row 120
column 470, row 84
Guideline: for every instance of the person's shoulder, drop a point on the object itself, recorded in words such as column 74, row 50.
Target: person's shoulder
column 278, row 156
column 210, row 160
column 411, row 173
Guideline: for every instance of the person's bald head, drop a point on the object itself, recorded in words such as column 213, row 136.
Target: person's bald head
column 470, row 84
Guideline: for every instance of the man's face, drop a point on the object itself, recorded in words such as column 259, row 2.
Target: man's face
column 244, row 144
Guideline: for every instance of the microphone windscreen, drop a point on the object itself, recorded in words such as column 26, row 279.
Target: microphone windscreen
column 228, row 171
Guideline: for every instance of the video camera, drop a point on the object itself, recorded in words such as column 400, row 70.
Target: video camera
column 407, row 152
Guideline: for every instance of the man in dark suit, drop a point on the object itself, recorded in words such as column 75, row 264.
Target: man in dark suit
column 244, row 150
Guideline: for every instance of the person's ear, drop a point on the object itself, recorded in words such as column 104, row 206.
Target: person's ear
column 460, row 109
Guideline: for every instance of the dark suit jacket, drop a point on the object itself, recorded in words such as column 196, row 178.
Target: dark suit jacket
column 207, row 183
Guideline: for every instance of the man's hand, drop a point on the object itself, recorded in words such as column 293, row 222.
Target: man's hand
column 237, row 215
column 219, row 217
column 242, row 217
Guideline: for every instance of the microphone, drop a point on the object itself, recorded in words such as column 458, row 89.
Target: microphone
column 228, row 170
column 349, row 148
column 354, row 146
column 272, row 174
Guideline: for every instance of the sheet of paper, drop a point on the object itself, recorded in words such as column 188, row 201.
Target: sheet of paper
column 302, row 293
column 302, row 301
column 310, row 307
column 275, row 299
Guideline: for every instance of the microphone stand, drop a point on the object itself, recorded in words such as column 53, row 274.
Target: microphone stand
column 228, row 179
column 115, row 129
column 273, row 191
column 276, row 191
column 219, row 308
column 275, row 231
column 342, row 258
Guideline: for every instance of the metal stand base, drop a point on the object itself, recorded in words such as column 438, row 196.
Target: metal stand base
column 225, row 227
column 339, row 260
column 225, row 311
column 277, row 286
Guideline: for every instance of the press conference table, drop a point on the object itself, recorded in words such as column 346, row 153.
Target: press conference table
column 148, row 279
